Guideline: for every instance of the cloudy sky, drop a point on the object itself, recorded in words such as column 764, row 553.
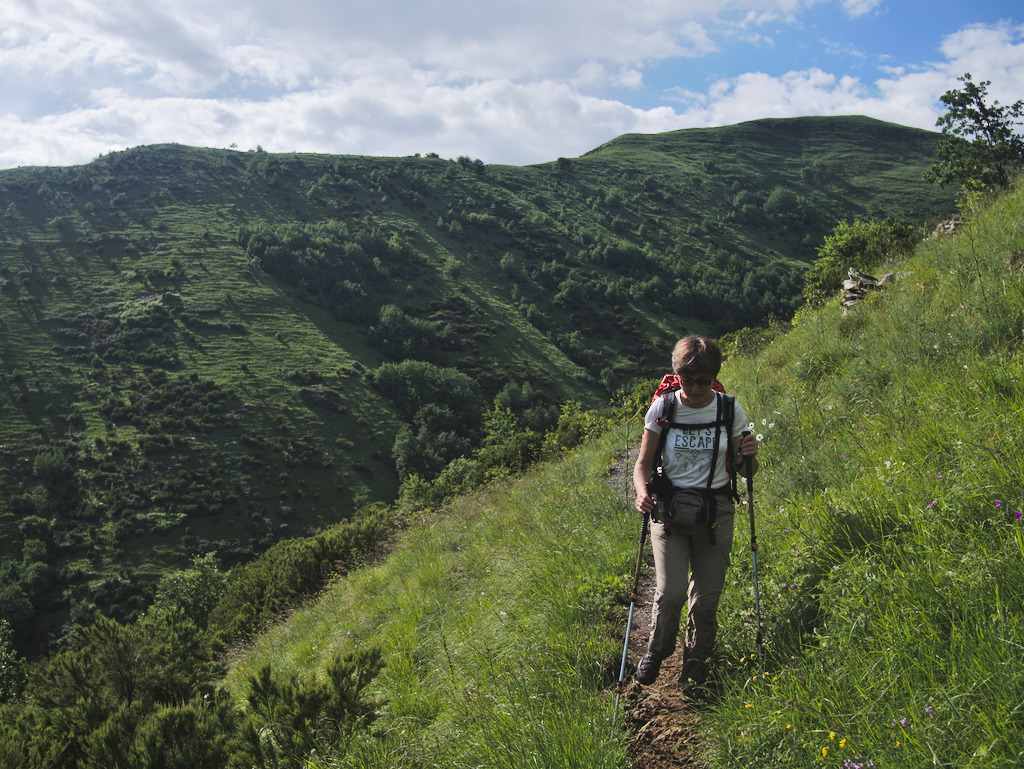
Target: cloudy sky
column 505, row 81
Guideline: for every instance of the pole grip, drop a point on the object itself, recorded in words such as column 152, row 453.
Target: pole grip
column 750, row 496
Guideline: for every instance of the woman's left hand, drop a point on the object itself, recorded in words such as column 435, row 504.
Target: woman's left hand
column 749, row 445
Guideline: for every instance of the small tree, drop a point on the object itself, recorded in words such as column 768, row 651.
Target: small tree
column 194, row 591
column 858, row 244
column 981, row 149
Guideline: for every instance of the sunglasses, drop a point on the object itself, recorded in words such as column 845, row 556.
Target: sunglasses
column 705, row 382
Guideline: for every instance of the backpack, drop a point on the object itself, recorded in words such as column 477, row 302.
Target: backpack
column 724, row 418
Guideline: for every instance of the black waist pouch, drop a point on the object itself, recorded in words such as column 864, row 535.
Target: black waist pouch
column 690, row 507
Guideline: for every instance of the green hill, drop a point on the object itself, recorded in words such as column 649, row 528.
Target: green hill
column 890, row 524
column 209, row 351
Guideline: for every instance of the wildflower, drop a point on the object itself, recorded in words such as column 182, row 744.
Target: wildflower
column 1019, row 515
column 842, row 743
column 824, row 752
column 832, row 736
column 940, row 475
column 929, row 710
column 998, row 503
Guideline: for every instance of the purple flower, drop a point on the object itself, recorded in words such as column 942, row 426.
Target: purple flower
column 998, row 503
column 1019, row 515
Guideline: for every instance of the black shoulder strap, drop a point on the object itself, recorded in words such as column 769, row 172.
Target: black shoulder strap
column 719, row 398
column 668, row 410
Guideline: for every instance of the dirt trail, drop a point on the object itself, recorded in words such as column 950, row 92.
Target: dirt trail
column 662, row 724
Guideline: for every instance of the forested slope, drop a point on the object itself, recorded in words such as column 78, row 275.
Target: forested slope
column 209, row 351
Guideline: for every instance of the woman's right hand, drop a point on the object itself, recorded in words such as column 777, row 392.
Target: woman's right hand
column 645, row 502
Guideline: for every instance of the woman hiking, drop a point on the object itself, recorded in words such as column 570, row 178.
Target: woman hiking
column 692, row 537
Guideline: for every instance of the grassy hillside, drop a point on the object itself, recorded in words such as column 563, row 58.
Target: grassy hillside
column 209, row 351
column 890, row 533
column 889, row 512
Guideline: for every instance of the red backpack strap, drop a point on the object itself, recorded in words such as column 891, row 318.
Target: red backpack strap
column 669, row 382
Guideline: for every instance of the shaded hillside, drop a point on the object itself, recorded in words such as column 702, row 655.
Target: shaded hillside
column 209, row 350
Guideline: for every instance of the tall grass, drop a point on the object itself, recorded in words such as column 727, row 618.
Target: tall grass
column 493, row 620
column 890, row 517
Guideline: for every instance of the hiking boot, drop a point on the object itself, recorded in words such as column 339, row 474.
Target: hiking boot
column 695, row 673
column 648, row 669
column 695, row 684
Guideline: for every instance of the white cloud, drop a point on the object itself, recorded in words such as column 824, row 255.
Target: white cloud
column 514, row 81
column 907, row 98
column 994, row 53
column 857, row 8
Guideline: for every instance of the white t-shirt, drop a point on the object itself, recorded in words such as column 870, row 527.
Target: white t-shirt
column 688, row 452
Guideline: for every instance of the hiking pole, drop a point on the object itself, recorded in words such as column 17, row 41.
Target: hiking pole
column 632, row 604
column 753, row 546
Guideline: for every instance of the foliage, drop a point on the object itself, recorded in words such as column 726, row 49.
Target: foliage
column 138, row 695
column 194, row 591
column 194, row 340
column 982, row 148
column 859, row 245
column 12, row 666
column 299, row 717
column 291, row 570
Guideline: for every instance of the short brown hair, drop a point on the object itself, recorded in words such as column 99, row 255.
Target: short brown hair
column 696, row 355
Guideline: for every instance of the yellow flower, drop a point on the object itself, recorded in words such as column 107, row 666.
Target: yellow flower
column 824, row 752
column 832, row 735
column 842, row 743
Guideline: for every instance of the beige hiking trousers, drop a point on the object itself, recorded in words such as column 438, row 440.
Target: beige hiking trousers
column 690, row 571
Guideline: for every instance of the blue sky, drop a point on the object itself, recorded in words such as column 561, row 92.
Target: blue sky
column 505, row 81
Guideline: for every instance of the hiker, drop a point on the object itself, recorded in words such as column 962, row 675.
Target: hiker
column 691, row 553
